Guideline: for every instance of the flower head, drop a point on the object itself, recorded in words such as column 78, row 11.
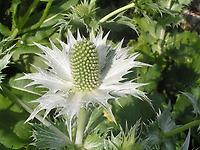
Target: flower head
column 85, row 71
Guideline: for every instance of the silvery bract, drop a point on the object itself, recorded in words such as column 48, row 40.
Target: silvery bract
column 85, row 71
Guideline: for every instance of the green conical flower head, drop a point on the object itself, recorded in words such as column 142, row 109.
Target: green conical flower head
column 85, row 66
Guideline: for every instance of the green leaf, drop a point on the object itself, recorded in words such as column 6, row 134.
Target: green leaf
column 4, row 30
column 3, row 64
column 131, row 110
column 46, row 138
column 8, row 120
column 154, row 138
column 22, row 130
column 184, row 2
column 95, row 119
column 4, row 102
column 193, row 101
column 23, row 49
column 10, row 140
column 127, row 21
column 180, row 106
column 40, row 35
column 125, row 139
column 63, row 6
column 94, row 141
column 4, row 61
column 165, row 121
column 20, row 86
column 186, row 142
column 13, row 8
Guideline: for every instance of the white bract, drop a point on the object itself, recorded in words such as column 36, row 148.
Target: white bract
column 85, row 71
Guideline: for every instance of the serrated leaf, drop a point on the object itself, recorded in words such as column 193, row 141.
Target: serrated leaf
column 155, row 139
column 46, row 138
column 124, row 140
column 193, row 101
column 165, row 121
column 127, row 21
column 94, row 141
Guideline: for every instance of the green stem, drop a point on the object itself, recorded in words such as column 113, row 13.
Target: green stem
column 14, row 14
column 44, row 15
column 9, row 40
column 14, row 34
column 25, row 18
column 182, row 128
column 169, row 2
column 116, row 12
column 163, row 32
column 82, row 121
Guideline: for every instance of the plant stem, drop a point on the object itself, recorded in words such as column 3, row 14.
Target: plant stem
column 14, row 34
column 25, row 18
column 163, row 32
column 182, row 128
column 82, row 121
column 44, row 15
column 116, row 12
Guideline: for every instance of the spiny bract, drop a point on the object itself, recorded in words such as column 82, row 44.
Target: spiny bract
column 85, row 71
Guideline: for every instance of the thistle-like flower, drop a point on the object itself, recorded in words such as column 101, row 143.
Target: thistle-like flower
column 85, row 71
